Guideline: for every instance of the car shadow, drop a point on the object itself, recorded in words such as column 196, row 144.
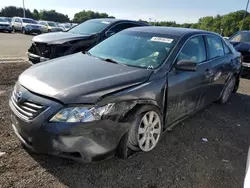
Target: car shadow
column 208, row 149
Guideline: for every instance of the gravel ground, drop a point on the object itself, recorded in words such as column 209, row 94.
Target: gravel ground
column 182, row 158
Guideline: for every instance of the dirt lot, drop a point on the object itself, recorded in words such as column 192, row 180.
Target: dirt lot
column 182, row 159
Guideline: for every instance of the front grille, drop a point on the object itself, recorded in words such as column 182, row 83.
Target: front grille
column 28, row 110
column 4, row 25
column 41, row 49
column 246, row 56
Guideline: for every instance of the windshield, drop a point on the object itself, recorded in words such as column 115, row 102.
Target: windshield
column 52, row 24
column 139, row 49
column 90, row 27
column 241, row 37
column 3, row 20
column 9, row 19
column 67, row 26
column 29, row 21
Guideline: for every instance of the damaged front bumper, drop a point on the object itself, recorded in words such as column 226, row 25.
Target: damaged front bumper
column 36, row 58
column 85, row 142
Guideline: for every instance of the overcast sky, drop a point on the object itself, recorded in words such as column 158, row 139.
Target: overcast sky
column 170, row 10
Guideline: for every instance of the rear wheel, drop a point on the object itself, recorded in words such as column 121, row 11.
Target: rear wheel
column 145, row 132
column 228, row 90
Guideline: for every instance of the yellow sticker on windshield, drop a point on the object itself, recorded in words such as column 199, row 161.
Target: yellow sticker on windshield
column 161, row 39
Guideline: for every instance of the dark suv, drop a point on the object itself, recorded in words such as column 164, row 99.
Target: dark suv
column 79, row 38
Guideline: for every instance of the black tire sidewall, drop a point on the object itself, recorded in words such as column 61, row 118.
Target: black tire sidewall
column 135, row 122
column 23, row 31
column 222, row 101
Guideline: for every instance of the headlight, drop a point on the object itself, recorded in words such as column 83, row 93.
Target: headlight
column 81, row 114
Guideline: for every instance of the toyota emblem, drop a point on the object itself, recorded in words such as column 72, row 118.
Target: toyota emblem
column 19, row 96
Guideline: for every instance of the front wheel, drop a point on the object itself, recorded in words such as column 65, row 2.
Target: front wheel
column 228, row 90
column 145, row 132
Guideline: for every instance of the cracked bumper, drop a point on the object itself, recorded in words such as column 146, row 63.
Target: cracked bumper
column 36, row 58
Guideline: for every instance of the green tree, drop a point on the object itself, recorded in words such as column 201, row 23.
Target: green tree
column 12, row 11
column 86, row 15
column 52, row 15
column 36, row 14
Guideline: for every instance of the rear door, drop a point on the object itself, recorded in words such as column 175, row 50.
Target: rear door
column 220, row 58
column 187, row 91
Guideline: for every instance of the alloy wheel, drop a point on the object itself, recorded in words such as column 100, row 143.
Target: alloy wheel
column 149, row 131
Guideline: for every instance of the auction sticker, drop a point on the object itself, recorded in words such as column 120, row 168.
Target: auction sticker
column 104, row 22
column 161, row 39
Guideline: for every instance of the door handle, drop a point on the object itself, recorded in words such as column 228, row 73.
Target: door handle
column 209, row 73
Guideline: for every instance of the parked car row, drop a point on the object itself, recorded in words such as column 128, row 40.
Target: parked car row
column 27, row 25
column 125, row 83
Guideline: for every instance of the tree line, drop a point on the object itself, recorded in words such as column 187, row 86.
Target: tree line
column 51, row 15
column 226, row 25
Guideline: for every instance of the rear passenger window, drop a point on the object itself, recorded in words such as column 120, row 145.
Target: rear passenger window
column 193, row 50
column 121, row 27
column 215, row 47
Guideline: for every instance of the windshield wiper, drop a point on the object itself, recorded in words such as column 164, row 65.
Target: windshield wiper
column 111, row 61
column 88, row 53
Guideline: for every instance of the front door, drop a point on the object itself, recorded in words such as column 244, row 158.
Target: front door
column 186, row 90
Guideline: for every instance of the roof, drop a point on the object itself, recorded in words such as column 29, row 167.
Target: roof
column 176, row 31
column 113, row 20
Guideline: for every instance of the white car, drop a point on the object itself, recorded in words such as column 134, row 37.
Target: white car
column 247, row 178
column 49, row 26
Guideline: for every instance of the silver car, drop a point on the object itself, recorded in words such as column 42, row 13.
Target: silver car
column 25, row 25
column 5, row 25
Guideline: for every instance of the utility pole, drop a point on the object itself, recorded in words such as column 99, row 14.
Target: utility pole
column 23, row 9
column 244, row 17
column 221, row 31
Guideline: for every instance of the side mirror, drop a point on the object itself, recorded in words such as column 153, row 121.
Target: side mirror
column 109, row 33
column 186, row 65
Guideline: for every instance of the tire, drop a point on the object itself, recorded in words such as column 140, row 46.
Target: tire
column 49, row 31
column 228, row 90
column 141, row 137
column 23, row 31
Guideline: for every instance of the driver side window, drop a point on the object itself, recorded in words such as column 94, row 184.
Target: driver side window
column 193, row 50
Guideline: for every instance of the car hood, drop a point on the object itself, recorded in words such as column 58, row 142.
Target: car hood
column 5, row 23
column 241, row 46
column 58, row 38
column 55, row 27
column 79, row 78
